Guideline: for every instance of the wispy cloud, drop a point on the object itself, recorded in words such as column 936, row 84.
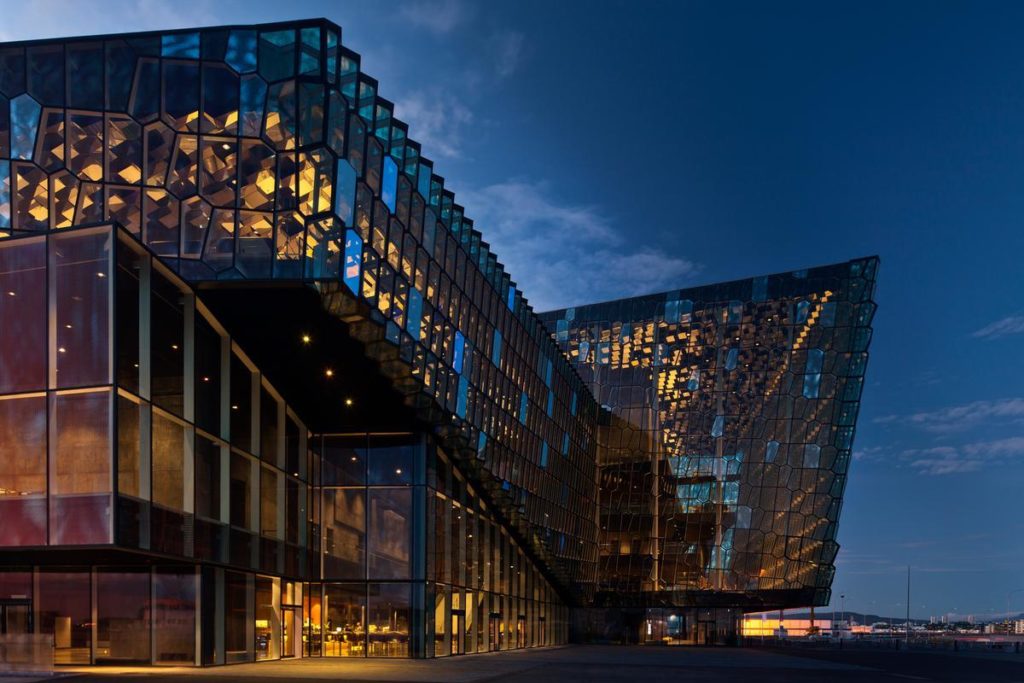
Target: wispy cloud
column 438, row 16
column 562, row 254
column 1011, row 324
column 961, row 417
column 56, row 18
column 508, row 52
column 439, row 124
column 970, row 457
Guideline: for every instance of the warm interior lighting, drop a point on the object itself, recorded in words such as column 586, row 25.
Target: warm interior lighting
column 329, row 372
column 62, row 350
column 306, row 339
column 348, row 401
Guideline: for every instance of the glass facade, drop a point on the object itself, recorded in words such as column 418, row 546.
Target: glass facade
column 187, row 486
column 723, row 461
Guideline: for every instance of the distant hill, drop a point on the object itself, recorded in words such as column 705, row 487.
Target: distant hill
column 861, row 618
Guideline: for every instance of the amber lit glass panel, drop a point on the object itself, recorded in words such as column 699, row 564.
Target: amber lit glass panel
column 160, row 218
column 85, row 146
column 63, row 198
column 81, row 292
column 50, row 140
column 184, row 167
column 123, row 206
column 23, row 315
column 219, row 167
column 80, row 468
column 90, row 204
column 195, row 222
column 23, row 470
column 258, row 180
column 31, row 197
column 124, row 150
column 158, row 145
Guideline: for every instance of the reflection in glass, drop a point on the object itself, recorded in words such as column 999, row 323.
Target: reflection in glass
column 388, row 622
column 23, row 470
column 80, row 471
column 65, row 613
column 80, row 279
column 23, row 315
column 390, row 537
column 174, row 620
column 344, row 529
column 344, row 628
column 123, row 609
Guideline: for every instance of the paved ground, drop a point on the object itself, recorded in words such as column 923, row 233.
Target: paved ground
column 595, row 664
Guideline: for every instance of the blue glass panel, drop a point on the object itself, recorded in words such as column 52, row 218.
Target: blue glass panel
column 828, row 314
column 415, row 313
column 812, row 372
column 481, row 443
column 389, row 185
column 572, row 405
column 544, row 455
column 547, row 373
column 220, row 100
column 182, row 45
column 463, row 397
column 145, row 96
column 496, row 349
column 241, row 54
column 771, row 451
column 551, row 403
column 85, row 75
column 353, row 260
column 345, row 193
column 511, row 298
column 735, row 312
column 392, row 332
column 562, row 330
column 46, row 74
column 731, row 492
column 759, row 289
column 12, row 71
column 693, row 383
column 311, row 113
column 812, row 455
column 731, row 359
column 120, row 72
column 423, row 180
column 5, row 193
column 802, row 309
column 309, row 58
column 277, row 55
column 718, row 426
column 565, row 443
column 24, row 125
column 181, row 94
column 459, row 346
column 523, row 405
column 254, row 97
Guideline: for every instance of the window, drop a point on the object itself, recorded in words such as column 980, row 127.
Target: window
column 80, row 279
column 390, row 538
column 344, row 524
column 167, row 344
column 80, row 468
column 23, row 315
column 23, row 470
column 388, row 629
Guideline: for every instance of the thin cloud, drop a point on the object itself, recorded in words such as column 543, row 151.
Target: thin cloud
column 970, row 457
column 1011, row 324
column 439, row 124
column 438, row 16
column 562, row 254
column 57, row 18
column 508, row 47
column 957, row 418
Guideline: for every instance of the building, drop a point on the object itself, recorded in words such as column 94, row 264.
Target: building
column 265, row 391
column 724, row 458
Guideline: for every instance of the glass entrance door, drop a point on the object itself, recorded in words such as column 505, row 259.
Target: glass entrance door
column 458, row 632
column 521, row 631
column 287, row 635
column 15, row 618
column 494, row 632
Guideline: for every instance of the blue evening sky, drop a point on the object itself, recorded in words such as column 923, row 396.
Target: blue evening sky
column 615, row 148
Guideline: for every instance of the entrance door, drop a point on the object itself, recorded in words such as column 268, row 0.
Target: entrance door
column 15, row 618
column 287, row 632
column 521, row 631
column 494, row 632
column 542, row 631
column 458, row 632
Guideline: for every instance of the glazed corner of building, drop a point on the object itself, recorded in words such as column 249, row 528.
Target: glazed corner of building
column 250, row 390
